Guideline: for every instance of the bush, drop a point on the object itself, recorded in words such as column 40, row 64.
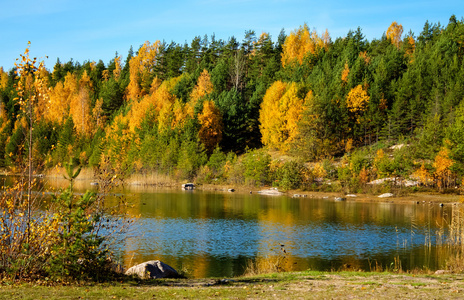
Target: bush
column 257, row 167
column 66, row 238
column 288, row 176
column 78, row 251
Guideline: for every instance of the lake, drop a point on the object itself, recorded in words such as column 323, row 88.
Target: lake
column 215, row 234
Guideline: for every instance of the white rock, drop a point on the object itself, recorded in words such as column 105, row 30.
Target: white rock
column 386, row 195
column 270, row 192
column 153, row 269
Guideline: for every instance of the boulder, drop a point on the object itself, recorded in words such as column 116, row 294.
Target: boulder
column 153, row 269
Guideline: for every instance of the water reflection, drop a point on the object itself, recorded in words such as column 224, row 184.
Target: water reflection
column 215, row 234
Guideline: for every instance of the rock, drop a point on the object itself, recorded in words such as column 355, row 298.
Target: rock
column 440, row 272
column 351, row 195
column 396, row 180
column 153, row 269
column 386, row 195
column 396, row 147
column 188, row 186
column 270, row 192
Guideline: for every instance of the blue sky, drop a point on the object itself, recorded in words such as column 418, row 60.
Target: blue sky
column 87, row 30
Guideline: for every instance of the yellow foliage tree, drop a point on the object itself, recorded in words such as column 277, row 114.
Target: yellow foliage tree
column 203, row 87
column 153, row 104
column 61, row 97
column 41, row 106
column 165, row 116
column 180, row 114
column 3, row 79
column 394, row 33
column 80, row 106
column 357, row 99
column 210, row 132
column 280, row 112
column 105, row 75
column 270, row 117
column 31, row 88
column 301, row 42
column 410, row 47
column 97, row 114
column 293, row 106
column 141, row 69
column 345, row 73
column 442, row 165
column 423, row 174
column 117, row 69
column 119, row 140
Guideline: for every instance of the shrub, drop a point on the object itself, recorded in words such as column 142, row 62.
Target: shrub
column 257, row 167
column 288, row 175
column 66, row 238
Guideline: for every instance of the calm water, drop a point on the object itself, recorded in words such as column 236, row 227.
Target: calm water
column 215, row 234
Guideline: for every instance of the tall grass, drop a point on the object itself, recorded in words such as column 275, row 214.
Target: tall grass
column 451, row 240
column 272, row 263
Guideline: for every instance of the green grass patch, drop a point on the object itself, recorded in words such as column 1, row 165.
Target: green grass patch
column 308, row 284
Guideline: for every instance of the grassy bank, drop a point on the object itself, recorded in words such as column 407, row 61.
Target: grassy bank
column 300, row 285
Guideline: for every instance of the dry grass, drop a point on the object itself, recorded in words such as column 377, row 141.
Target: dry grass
column 275, row 263
column 265, row 265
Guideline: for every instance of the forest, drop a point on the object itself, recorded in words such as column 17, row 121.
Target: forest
column 293, row 112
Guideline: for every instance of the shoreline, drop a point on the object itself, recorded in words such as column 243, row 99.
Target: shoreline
column 153, row 180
